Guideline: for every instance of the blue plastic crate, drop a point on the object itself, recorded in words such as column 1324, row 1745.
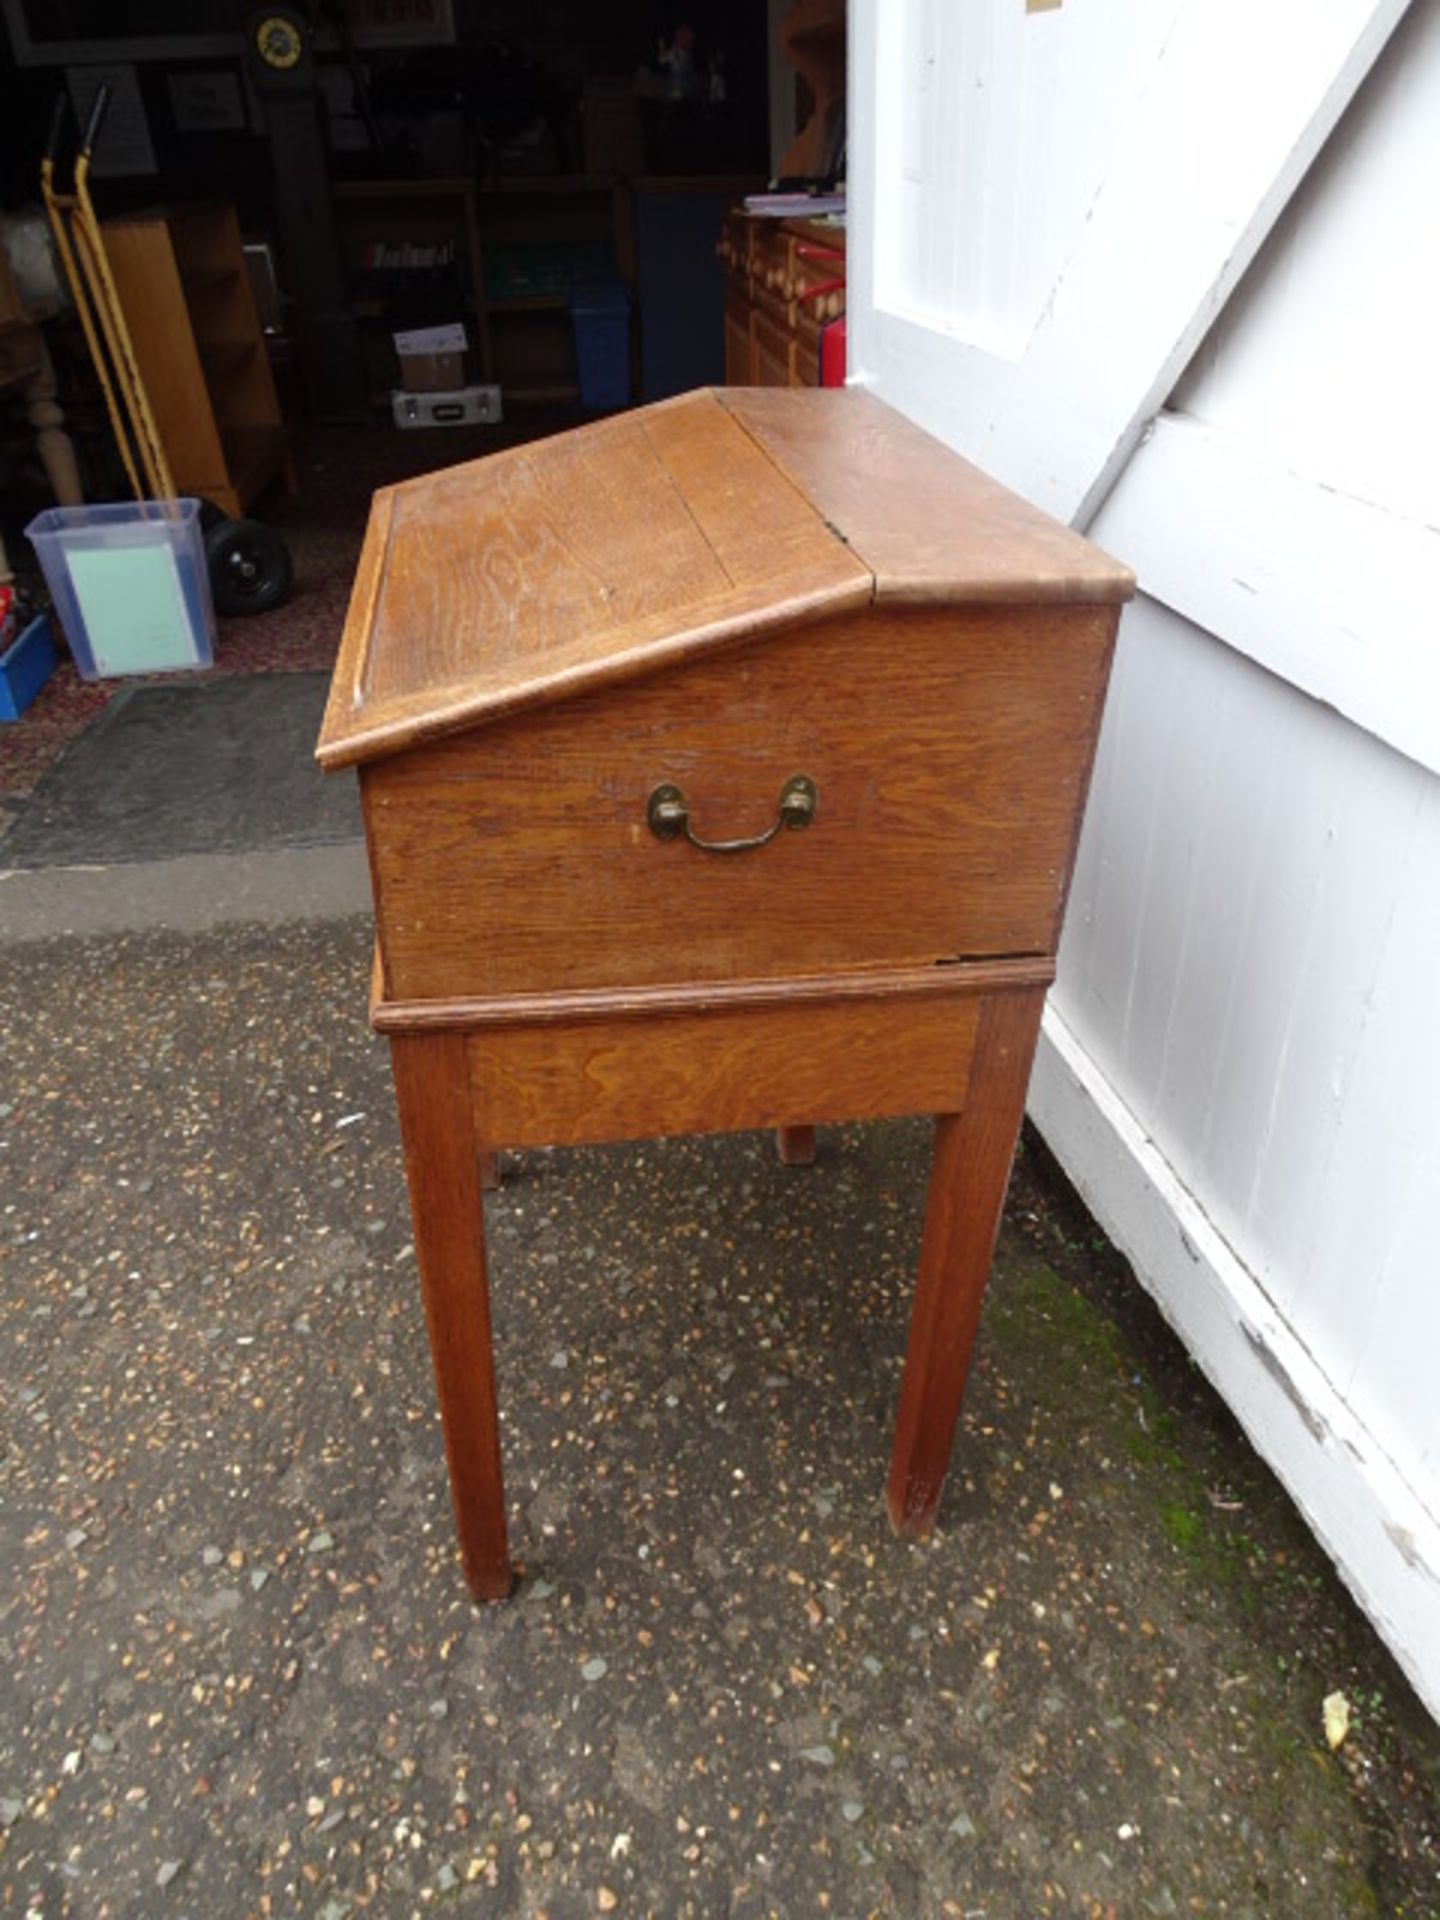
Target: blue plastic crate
column 600, row 315
column 25, row 666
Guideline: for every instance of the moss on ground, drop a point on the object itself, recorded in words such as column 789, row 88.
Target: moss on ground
column 1182, row 1484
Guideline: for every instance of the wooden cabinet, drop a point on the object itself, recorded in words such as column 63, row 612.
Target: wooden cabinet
column 721, row 767
column 784, row 285
column 181, row 280
column 739, row 346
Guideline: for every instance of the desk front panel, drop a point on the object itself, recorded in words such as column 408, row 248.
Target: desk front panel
column 949, row 750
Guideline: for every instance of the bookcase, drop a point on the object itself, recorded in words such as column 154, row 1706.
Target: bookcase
column 500, row 256
column 181, row 278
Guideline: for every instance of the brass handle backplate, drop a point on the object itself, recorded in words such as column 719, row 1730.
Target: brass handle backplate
column 669, row 816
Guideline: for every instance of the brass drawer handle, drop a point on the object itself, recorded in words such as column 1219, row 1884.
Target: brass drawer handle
column 669, row 816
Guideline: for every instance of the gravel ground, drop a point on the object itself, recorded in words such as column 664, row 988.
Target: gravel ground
column 239, row 1673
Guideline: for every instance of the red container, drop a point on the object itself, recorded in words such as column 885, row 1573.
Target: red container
column 832, row 354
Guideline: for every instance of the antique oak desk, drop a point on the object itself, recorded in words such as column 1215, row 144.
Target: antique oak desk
column 785, row 622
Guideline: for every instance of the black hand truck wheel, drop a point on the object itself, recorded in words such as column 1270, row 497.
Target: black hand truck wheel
column 250, row 569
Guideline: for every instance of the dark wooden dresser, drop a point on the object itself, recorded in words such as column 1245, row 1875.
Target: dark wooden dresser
column 722, row 765
column 784, row 291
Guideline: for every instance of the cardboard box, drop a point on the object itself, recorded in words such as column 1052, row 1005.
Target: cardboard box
column 432, row 359
column 432, row 372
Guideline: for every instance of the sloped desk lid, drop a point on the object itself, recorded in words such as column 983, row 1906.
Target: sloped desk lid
column 625, row 546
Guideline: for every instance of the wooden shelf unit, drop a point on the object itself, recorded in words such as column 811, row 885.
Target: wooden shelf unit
column 180, row 276
column 520, row 339
column 423, row 213
column 207, row 279
column 577, row 217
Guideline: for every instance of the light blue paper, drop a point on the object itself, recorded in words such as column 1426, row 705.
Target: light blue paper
column 135, row 615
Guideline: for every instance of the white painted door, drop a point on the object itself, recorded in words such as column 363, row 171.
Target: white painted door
column 1052, row 203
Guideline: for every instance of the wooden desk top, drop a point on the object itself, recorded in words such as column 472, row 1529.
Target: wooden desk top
column 639, row 542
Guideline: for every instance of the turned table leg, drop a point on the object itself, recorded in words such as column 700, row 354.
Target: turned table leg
column 443, row 1161
column 968, row 1178
column 52, row 442
column 796, row 1145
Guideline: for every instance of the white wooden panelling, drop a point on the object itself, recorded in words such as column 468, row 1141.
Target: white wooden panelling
column 988, row 122
column 1325, row 358
column 1233, row 109
column 1385, row 1542
column 1387, row 1145
column 1319, row 586
column 1303, row 441
column 1255, row 907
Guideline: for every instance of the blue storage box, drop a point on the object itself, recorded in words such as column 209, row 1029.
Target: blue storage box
column 25, row 666
column 130, row 585
column 600, row 315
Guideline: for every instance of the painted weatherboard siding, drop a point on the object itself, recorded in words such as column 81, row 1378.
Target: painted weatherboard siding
column 1241, row 1062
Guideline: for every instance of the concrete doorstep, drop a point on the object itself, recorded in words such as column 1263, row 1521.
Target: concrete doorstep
column 187, row 807
column 189, row 893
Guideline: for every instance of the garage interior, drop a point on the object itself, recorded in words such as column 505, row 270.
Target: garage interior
column 360, row 242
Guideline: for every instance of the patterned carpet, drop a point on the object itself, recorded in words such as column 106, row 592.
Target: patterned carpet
column 324, row 522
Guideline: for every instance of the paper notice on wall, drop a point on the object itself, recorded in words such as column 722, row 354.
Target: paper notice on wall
column 123, row 144
column 207, row 102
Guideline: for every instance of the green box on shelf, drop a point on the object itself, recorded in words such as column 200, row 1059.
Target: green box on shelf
column 537, row 271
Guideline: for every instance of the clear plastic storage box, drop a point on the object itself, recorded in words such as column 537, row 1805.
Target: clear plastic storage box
column 130, row 585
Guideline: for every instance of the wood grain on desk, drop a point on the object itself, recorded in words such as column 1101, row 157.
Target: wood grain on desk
column 543, row 571
column 714, row 1072
column 927, row 524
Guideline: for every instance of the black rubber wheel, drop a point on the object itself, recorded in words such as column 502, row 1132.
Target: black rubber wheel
column 211, row 516
column 250, row 569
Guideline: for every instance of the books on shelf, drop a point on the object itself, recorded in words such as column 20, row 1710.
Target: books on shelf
column 407, row 256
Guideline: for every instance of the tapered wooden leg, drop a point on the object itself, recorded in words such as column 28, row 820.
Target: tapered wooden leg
column 442, row 1164
column 968, row 1177
column 796, row 1145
